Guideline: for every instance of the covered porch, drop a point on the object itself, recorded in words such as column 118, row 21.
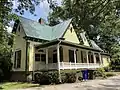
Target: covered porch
column 66, row 55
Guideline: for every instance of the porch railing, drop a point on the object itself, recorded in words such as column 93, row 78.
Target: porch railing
column 69, row 65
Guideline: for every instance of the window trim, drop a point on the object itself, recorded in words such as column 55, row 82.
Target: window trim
column 16, row 65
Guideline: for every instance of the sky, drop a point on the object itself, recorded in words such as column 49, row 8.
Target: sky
column 41, row 11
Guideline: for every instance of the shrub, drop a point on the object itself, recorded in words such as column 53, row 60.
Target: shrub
column 63, row 77
column 70, row 77
column 37, row 77
column 100, row 72
column 5, row 66
column 107, row 69
column 53, row 77
column 45, row 78
column 79, row 76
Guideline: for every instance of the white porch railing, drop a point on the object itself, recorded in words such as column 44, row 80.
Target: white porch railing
column 69, row 65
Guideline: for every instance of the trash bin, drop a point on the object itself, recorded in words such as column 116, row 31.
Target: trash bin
column 85, row 74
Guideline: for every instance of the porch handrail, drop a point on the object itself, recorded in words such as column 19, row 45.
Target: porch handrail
column 71, row 65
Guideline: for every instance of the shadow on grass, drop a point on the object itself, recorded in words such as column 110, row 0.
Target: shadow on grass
column 15, row 85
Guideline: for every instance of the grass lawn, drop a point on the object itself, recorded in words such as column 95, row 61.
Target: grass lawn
column 16, row 85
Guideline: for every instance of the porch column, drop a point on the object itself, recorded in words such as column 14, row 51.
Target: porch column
column 94, row 58
column 100, row 58
column 87, row 57
column 58, row 60
column 75, row 58
column 46, row 55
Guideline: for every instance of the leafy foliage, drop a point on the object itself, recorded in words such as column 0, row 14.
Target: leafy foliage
column 45, row 78
column 100, row 73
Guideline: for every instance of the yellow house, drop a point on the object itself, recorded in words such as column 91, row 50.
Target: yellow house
column 40, row 47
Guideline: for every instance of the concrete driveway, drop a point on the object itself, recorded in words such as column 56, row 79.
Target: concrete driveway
column 112, row 83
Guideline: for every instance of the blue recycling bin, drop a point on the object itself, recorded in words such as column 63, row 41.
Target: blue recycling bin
column 85, row 74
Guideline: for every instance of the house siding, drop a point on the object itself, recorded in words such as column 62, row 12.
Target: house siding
column 105, row 60
column 31, row 57
column 71, row 35
column 20, row 44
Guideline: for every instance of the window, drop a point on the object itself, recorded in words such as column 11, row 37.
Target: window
column 43, row 57
column 97, row 58
column 71, row 55
column 83, row 57
column 55, row 58
column 17, row 61
column 37, row 57
column 90, row 57
column 61, row 54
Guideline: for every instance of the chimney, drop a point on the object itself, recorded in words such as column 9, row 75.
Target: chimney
column 41, row 21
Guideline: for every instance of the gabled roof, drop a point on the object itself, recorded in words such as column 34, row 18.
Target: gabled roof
column 95, row 46
column 41, row 31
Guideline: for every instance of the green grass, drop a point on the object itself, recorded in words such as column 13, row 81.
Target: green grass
column 16, row 85
column 109, row 74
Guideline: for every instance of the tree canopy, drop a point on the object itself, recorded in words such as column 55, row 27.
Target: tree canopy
column 99, row 18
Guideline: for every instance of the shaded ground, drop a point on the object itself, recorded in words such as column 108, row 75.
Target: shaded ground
column 13, row 85
column 112, row 83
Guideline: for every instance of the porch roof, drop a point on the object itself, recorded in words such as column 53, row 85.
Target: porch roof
column 62, row 42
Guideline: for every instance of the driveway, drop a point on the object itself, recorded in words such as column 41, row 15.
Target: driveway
column 112, row 83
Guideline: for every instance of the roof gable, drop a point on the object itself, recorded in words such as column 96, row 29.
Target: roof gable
column 70, row 35
column 41, row 31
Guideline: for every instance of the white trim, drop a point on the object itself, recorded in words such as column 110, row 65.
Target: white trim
column 87, row 57
column 75, row 57
column 46, row 55
column 58, row 60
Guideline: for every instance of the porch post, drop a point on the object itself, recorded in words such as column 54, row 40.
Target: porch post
column 87, row 59
column 75, row 58
column 100, row 58
column 46, row 55
column 58, row 60
column 46, row 58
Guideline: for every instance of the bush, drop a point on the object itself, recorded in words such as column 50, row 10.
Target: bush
column 70, row 77
column 107, row 69
column 79, row 76
column 53, row 77
column 45, row 78
column 100, row 72
column 5, row 66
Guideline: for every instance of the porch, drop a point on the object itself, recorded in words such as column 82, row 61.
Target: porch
column 62, row 56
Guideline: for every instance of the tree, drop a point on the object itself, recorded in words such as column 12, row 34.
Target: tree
column 99, row 18
column 6, row 39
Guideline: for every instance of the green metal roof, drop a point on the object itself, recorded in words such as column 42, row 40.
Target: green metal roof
column 41, row 31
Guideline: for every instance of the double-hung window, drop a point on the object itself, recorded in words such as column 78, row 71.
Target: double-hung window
column 17, row 60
